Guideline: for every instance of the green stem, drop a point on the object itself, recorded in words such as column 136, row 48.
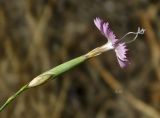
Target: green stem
column 55, row 72
column 10, row 99
column 44, row 77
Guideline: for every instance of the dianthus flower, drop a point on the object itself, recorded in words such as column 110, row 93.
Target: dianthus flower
column 118, row 45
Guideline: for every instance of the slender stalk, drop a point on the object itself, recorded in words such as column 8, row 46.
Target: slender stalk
column 10, row 99
column 53, row 73
column 44, row 77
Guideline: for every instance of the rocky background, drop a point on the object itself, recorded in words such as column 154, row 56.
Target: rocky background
column 36, row 35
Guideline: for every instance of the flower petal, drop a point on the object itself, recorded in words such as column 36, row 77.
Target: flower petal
column 99, row 24
column 121, row 52
column 105, row 30
column 122, row 64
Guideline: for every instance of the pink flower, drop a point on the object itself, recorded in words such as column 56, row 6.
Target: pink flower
column 113, row 43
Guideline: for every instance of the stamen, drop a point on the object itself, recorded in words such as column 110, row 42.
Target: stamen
column 140, row 31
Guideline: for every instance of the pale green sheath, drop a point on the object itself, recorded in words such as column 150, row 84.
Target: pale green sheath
column 55, row 72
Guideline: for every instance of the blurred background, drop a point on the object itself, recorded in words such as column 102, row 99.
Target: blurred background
column 36, row 35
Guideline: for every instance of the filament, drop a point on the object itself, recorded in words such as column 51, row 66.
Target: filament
column 140, row 31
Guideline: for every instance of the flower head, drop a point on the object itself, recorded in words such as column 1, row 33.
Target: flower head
column 117, row 45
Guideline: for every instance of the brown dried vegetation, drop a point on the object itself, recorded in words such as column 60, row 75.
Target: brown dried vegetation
column 36, row 35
